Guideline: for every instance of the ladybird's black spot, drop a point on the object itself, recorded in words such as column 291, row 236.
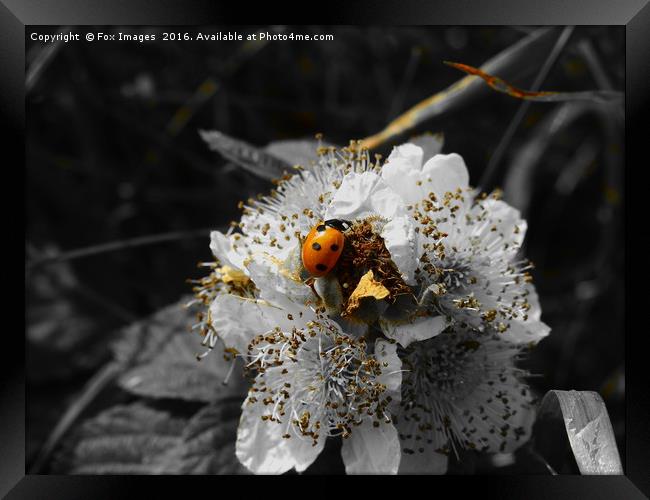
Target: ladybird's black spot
column 321, row 228
column 334, row 247
column 321, row 267
column 315, row 246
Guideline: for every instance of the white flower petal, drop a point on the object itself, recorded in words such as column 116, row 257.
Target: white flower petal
column 274, row 277
column 521, row 331
column 431, row 144
column 399, row 238
column 493, row 226
column 304, row 452
column 238, row 320
column 439, row 174
column 419, row 329
column 447, row 173
column 364, row 194
column 403, row 173
column 508, row 222
column 410, row 154
column 422, row 442
column 227, row 249
column 371, row 450
column 530, row 330
column 391, row 372
column 261, row 448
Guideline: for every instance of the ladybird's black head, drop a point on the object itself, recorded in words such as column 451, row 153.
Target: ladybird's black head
column 340, row 224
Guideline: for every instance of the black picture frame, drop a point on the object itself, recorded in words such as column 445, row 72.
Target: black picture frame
column 16, row 15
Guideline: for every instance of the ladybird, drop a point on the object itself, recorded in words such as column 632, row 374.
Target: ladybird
column 323, row 246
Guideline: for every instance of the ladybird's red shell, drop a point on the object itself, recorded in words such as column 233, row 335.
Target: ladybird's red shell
column 322, row 249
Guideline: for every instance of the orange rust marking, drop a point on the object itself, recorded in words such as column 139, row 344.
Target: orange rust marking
column 497, row 83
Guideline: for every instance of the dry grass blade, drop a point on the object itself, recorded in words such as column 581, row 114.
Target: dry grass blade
column 500, row 85
column 588, row 428
column 512, row 62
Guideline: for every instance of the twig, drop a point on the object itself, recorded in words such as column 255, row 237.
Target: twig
column 464, row 89
column 94, row 386
column 116, row 245
column 497, row 156
column 500, row 85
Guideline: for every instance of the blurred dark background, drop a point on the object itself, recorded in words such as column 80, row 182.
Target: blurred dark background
column 113, row 153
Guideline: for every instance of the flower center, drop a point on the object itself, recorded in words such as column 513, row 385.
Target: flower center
column 440, row 370
column 456, row 278
column 365, row 251
column 322, row 383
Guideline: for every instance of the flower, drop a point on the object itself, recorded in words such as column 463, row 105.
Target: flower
column 312, row 380
column 465, row 246
column 424, row 254
column 455, row 249
column 461, row 390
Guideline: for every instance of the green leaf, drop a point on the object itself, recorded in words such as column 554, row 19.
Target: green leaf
column 295, row 152
column 585, row 420
column 131, row 439
column 208, row 443
column 141, row 341
column 251, row 158
column 137, row 439
column 269, row 162
column 63, row 318
column 162, row 355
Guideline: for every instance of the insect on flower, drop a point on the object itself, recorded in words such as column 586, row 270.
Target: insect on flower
column 406, row 250
column 323, row 246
